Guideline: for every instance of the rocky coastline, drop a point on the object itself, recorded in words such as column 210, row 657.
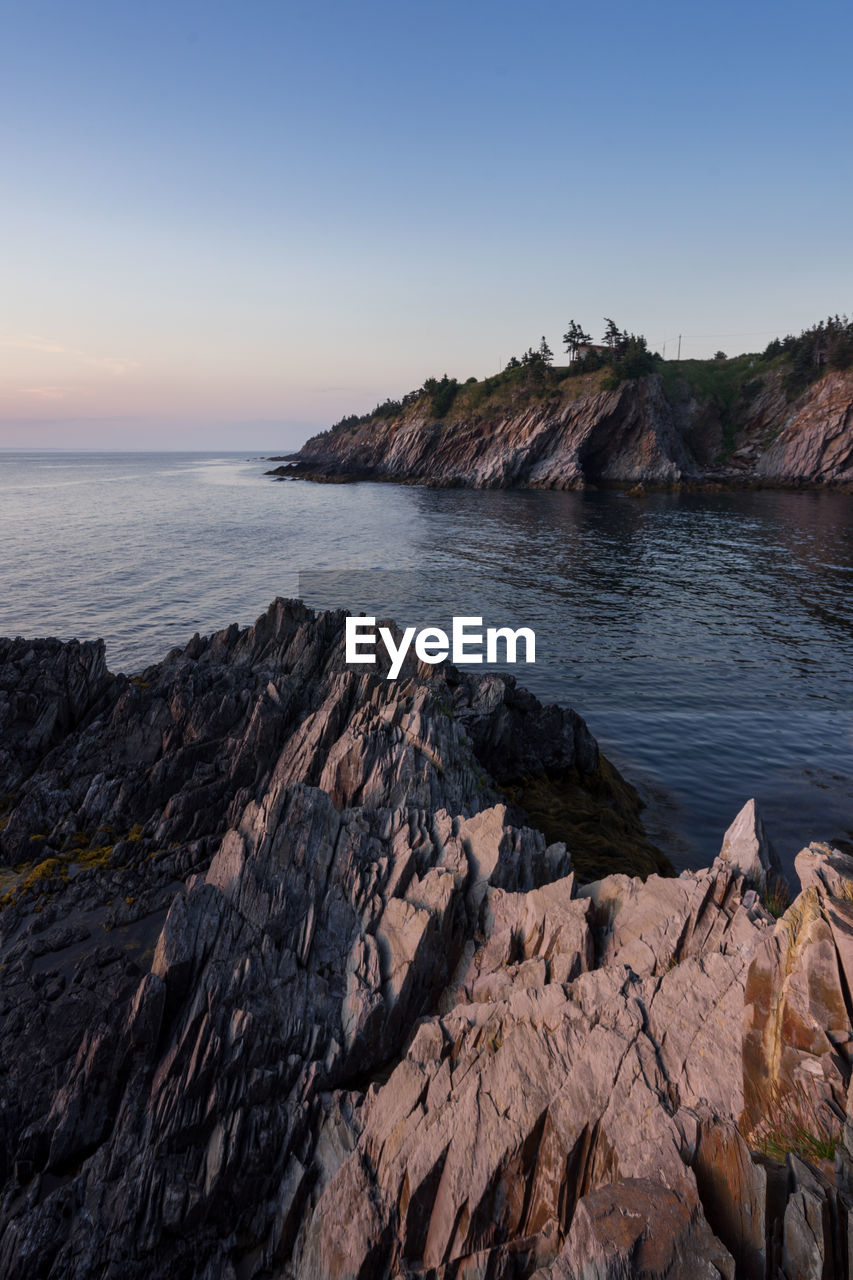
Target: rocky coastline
column 645, row 433
column 292, row 986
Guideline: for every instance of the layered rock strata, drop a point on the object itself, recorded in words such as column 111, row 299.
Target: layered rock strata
column 320, row 1005
column 581, row 435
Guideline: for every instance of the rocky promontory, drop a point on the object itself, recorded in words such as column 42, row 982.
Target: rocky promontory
column 293, row 987
column 682, row 426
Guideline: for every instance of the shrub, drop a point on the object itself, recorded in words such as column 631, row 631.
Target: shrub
column 777, row 899
column 829, row 343
column 442, row 392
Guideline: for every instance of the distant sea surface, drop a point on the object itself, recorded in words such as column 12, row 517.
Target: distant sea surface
column 706, row 639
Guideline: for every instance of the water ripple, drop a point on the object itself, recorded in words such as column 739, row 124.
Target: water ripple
column 708, row 640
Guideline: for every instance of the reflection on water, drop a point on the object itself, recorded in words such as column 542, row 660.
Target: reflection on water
column 708, row 640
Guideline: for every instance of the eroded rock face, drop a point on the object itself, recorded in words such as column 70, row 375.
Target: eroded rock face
column 638, row 434
column 547, row 1079
column 624, row 435
column 329, row 1009
column 797, row 1030
column 46, row 688
column 816, row 440
column 639, row 1228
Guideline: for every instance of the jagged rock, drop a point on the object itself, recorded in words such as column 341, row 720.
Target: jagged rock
column 652, row 925
column 628, row 434
column 532, row 939
column 797, row 1032
column 320, row 1005
column 180, row 750
column 747, row 849
column 643, row 1230
column 828, row 869
column 814, row 1243
column 46, row 688
column 815, row 443
column 502, row 1112
column 641, row 433
column 733, row 1191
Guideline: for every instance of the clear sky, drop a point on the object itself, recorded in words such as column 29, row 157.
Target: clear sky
column 226, row 224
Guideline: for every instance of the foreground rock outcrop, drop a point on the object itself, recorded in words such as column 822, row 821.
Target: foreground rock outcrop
column 293, row 992
column 644, row 432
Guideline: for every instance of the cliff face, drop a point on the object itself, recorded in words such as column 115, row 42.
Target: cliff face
column 815, row 440
column 645, row 432
column 288, row 991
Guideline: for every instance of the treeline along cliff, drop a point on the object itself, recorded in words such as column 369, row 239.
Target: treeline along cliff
column 782, row 417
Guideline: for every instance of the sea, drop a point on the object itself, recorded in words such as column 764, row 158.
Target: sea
column 707, row 639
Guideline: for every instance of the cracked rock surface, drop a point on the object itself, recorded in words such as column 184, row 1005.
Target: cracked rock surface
column 290, row 990
column 640, row 433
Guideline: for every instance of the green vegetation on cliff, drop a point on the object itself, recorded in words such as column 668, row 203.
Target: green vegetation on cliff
column 727, row 385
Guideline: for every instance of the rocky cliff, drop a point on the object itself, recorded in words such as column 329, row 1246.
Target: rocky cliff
column 661, row 430
column 289, row 990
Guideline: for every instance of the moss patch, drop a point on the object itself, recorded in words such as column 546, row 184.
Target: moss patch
column 87, row 851
column 37, row 879
column 95, row 856
column 598, row 818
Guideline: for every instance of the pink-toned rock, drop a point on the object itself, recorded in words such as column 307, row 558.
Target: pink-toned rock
column 639, row 433
column 812, row 1243
column 503, row 1114
column 797, row 1026
column 733, row 1191
column 821, row 866
column 747, row 850
column 651, row 925
column 640, row 1229
column 816, row 440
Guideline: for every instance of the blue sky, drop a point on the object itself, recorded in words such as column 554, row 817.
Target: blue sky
column 227, row 224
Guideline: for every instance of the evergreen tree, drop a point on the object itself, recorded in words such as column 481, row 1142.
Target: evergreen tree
column 613, row 335
column 546, row 355
column 575, row 338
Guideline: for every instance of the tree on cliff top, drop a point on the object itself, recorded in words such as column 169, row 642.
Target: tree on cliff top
column 827, row 344
column 613, row 335
column 632, row 359
column 575, row 338
column 442, row 392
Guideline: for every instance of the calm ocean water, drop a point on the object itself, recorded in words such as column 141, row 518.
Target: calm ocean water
column 707, row 640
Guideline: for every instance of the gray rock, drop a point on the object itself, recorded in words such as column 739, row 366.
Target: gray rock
column 291, row 992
